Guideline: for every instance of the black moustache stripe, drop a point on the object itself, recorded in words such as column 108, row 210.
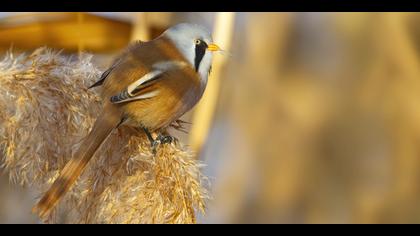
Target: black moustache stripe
column 200, row 50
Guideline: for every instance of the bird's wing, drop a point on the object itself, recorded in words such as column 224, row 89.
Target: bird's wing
column 105, row 74
column 116, row 63
column 138, row 89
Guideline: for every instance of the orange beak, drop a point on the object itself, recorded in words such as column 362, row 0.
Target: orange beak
column 213, row 47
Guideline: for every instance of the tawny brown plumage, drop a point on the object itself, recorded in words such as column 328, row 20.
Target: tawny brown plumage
column 164, row 98
column 177, row 85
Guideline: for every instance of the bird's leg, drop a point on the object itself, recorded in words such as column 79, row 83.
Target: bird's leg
column 149, row 136
column 153, row 142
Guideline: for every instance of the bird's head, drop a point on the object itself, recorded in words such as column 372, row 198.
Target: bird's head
column 195, row 44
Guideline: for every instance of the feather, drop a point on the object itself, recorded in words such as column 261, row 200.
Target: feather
column 136, row 90
column 104, row 75
column 135, row 87
column 125, row 97
column 116, row 62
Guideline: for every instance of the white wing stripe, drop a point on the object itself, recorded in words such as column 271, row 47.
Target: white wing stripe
column 143, row 96
column 143, row 80
column 159, row 68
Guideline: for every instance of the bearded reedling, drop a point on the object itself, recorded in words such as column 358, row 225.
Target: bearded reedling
column 149, row 86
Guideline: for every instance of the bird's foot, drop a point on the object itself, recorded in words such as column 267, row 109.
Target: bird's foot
column 166, row 139
column 162, row 139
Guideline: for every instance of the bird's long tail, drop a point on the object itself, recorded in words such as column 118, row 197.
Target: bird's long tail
column 106, row 122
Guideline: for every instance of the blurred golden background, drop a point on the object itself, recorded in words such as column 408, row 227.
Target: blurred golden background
column 315, row 118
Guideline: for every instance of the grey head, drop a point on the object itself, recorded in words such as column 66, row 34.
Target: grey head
column 194, row 42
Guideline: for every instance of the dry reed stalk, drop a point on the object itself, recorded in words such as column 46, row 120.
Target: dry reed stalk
column 204, row 112
column 80, row 44
column 46, row 110
column 140, row 27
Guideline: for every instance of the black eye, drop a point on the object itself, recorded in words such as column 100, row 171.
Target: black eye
column 197, row 41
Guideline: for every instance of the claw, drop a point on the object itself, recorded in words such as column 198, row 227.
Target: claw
column 167, row 139
column 160, row 139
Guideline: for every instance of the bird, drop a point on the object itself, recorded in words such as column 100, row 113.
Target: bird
column 149, row 85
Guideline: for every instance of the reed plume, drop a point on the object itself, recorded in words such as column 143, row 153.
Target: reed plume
column 46, row 110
